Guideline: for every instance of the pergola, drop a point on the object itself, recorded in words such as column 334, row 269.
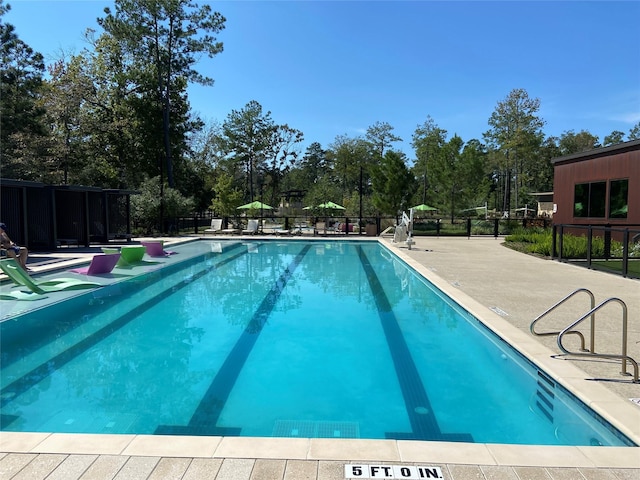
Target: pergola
column 42, row 217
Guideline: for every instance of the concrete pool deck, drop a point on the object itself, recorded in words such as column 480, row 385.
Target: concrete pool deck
column 503, row 288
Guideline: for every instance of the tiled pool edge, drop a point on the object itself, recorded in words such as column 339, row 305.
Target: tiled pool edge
column 320, row 449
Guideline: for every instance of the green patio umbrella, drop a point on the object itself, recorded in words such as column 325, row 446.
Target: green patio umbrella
column 256, row 205
column 423, row 208
column 331, row 206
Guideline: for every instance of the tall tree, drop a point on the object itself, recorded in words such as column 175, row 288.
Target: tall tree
column 247, row 134
column 64, row 100
column 515, row 133
column 22, row 127
column 308, row 173
column 113, row 113
column 571, row 142
column 282, row 153
column 313, row 166
column 448, row 174
column 473, row 174
column 613, row 138
column 169, row 36
column 381, row 137
column 393, row 183
column 634, row 132
column 427, row 141
column 351, row 159
column 541, row 175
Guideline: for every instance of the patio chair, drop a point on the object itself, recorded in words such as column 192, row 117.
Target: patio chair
column 252, row 227
column 216, row 226
column 129, row 254
column 302, row 228
column 13, row 270
column 100, row 264
column 155, row 248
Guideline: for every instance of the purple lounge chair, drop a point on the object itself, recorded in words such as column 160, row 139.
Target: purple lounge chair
column 102, row 263
column 156, row 249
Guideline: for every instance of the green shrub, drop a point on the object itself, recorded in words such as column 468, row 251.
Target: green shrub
column 539, row 241
column 528, row 235
column 535, row 240
column 145, row 207
column 542, row 246
column 616, row 249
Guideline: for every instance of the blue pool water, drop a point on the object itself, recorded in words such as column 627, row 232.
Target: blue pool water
column 308, row 339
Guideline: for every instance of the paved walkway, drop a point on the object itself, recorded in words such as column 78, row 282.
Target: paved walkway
column 504, row 288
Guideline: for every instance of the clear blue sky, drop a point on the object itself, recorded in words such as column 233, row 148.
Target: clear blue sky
column 333, row 68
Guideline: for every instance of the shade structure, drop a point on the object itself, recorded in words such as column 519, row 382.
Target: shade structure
column 331, row 206
column 256, row 205
column 423, row 208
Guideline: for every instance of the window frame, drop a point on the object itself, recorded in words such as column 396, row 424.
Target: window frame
column 595, row 197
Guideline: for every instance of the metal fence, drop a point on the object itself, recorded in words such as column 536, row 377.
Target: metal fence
column 601, row 247
column 371, row 226
column 607, row 248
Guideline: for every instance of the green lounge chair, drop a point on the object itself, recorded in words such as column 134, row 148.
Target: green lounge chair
column 20, row 277
column 129, row 255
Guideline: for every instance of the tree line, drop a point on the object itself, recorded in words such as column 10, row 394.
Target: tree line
column 117, row 115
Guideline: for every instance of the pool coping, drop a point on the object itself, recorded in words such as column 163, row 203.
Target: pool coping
column 347, row 450
column 620, row 414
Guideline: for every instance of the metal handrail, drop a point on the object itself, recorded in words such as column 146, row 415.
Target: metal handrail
column 552, row 308
column 623, row 356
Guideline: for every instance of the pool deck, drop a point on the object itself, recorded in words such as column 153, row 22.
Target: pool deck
column 502, row 288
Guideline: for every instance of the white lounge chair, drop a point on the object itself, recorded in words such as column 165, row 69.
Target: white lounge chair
column 216, row 226
column 252, row 227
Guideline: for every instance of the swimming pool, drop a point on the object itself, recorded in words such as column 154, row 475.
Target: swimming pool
column 308, row 339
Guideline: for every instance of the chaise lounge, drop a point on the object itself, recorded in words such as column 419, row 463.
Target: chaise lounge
column 129, row 255
column 15, row 272
column 216, row 226
column 100, row 264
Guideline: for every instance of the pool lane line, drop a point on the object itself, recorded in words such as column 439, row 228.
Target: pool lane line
column 39, row 373
column 204, row 420
column 424, row 425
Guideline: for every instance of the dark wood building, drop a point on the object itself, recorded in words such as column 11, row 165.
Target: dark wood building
column 43, row 217
column 598, row 187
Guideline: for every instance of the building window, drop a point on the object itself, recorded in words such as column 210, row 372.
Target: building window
column 618, row 198
column 581, row 200
column 589, row 199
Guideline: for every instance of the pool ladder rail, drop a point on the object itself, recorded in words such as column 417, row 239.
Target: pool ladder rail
column 591, row 314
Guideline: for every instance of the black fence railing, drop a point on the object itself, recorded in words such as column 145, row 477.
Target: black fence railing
column 601, row 247
column 370, row 226
column 294, row 224
column 613, row 249
column 468, row 227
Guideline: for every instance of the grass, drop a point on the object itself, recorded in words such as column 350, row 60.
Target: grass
column 633, row 267
column 538, row 241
